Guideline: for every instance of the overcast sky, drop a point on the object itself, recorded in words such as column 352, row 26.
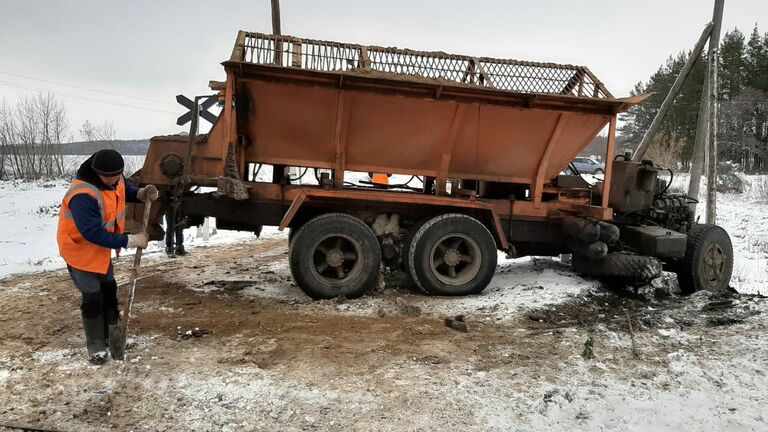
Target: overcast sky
column 152, row 50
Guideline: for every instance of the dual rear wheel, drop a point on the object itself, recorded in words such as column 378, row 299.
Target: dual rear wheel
column 451, row 254
column 337, row 255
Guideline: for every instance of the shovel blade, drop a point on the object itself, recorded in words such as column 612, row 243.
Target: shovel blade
column 117, row 342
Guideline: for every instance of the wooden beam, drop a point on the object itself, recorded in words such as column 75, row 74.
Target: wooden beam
column 702, row 126
column 238, row 51
column 296, row 53
column 365, row 61
column 673, row 92
column 483, row 74
column 469, row 73
column 576, row 80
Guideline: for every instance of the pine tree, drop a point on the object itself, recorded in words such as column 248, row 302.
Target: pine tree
column 732, row 64
column 756, row 73
column 743, row 114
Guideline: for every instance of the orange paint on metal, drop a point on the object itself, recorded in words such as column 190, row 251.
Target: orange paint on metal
column 609, row 162
column 538, row 185
column 353, row 118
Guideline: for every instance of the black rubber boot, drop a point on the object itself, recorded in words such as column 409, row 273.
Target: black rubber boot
column 180, row 251
column 95, row 339
column 110, row 318
column 109, row 306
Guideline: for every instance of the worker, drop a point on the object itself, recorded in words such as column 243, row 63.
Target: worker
column 91, row 222
column 173, row 232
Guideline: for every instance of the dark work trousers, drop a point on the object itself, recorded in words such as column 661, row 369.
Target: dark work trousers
column 169, row 223
column 99, row 291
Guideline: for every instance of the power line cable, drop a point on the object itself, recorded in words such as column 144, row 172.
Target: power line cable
column 87, row 88
column 64, row 94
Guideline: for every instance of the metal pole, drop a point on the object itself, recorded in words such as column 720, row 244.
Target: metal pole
column 702, row 127
column 714, row 53
column 673, row 92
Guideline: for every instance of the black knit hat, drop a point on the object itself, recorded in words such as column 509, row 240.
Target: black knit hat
column 107, row 162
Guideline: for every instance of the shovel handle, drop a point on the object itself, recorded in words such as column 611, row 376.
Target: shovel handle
column 144, row 224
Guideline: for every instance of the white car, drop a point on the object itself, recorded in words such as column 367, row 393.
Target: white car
column 586, row 165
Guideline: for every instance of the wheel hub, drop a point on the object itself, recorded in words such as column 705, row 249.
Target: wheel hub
column 714, row 260
column 452, row 257
column 335, row 258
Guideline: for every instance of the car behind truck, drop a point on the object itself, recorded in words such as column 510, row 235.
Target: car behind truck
column 487, row 140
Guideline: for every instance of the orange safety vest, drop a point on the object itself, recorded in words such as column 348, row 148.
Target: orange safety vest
column 76, row 250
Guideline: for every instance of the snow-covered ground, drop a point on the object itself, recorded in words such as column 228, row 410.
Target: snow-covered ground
column 371, row 363
column 29, row 218
column 29, row 215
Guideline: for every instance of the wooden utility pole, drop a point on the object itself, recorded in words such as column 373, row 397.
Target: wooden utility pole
column 714, row 55
column 276, row 17
column 278, row 60
column 700, row 144
column 707, row 123
column 673, row 92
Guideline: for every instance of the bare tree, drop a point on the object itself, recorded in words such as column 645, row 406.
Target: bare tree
column 98, row 136
column 6, row 139
column 31, row 136
column 666, row 153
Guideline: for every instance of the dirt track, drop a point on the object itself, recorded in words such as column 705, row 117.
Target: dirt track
column 273, row 360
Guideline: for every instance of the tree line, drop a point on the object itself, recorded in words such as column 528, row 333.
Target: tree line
column 33, row 133
column 743, row 105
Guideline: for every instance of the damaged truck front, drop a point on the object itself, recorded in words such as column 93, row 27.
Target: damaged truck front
column 482, row 141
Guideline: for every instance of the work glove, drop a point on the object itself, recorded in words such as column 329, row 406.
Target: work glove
column 139, row 240
column 147, row 192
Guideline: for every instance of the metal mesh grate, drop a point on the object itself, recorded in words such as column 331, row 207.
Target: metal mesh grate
column 509, row 75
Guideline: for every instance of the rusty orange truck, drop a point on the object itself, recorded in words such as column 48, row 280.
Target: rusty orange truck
column 483, row 141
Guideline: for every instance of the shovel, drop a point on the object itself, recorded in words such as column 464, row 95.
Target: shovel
column 118, row 332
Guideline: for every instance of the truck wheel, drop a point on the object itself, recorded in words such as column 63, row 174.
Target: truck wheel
column 708, row 260
column 406, row 250
column 452, row 254
column 618, row 267
column 335, row 255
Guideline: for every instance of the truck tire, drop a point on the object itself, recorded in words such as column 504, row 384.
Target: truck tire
column 708, row 261
column 406, row 251
column 619, row 267
column 452, row 255
column 335, row 255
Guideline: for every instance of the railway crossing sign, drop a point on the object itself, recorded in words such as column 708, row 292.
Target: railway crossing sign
column 202, row 109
